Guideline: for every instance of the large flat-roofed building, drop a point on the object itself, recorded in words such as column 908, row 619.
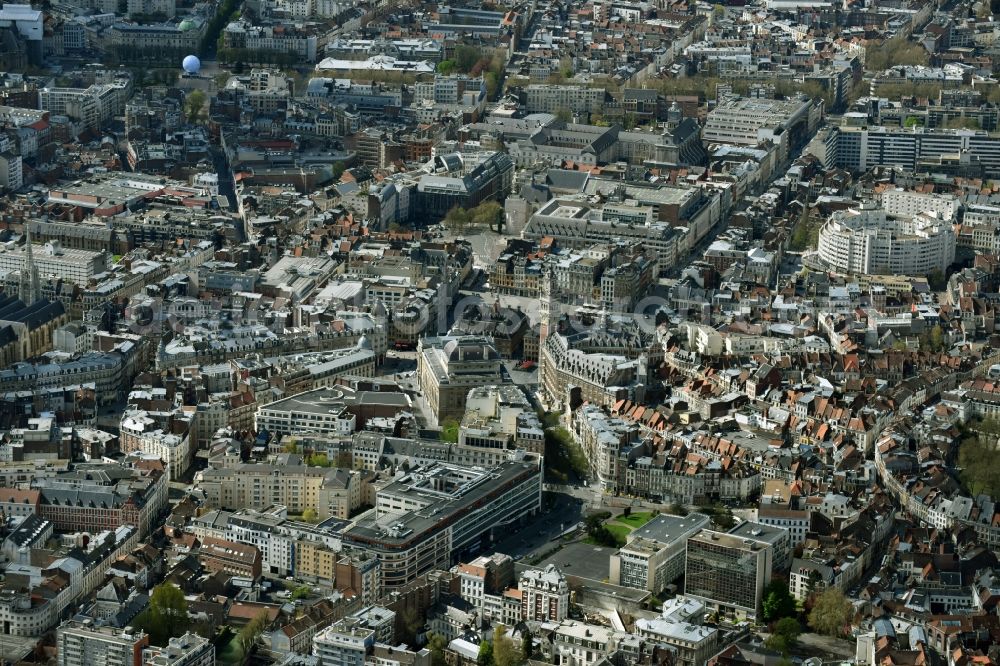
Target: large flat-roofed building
column 335, row 410
column 654, row 555
column 727, row 572
column 665, row 219
column 865, row 240
column 187, row 650
column 748, row 122
column 780, row 540
column 860, row 148
column 112, row 193
column 547, row 98
column 83, row 644
column 52, row 259
column 489, row 179
column 449, row 367
column 439, row 514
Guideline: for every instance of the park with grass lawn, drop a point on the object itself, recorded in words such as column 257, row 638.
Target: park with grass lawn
column 603, row 529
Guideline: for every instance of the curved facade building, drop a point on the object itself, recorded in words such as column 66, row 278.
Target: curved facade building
column 866, row 241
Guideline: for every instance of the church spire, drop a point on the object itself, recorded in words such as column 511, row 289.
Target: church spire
column 29, row 286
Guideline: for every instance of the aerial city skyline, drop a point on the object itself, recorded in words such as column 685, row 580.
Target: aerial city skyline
column 615, row 333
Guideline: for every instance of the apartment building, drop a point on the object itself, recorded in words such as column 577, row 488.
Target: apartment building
column 187, row 650
column 727, row 573
column 796, row 521
column 92, row 106
column 654, row 556
column 680, row 627
column 483, row 580
column 865, row 240
column 84, row 643
column 140, row 431
column 550, row 98
column 544, row 595
column 860, row 148
column 229, row 557
column 331, row 492
column 904, row 203
column 349, row 641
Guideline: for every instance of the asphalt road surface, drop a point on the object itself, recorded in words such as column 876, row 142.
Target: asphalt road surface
column 559, row 512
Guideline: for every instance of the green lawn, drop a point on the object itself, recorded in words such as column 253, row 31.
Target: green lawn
column 636, row 520
column 621, row 532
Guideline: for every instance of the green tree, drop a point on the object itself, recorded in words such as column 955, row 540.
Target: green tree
column 310, row 515
column 505, row 651
column 913, row 121
column 492, row 80
column 487, row 214
column 784, row 636
column 437, row 644
column 193, row 105
column 166, row 616
column 251, row 632
column 413, row 622
column 446, row 67
column 778, row 603
column 677, row 509
column 563, row 455
column 300, row 592
column 599, row 532
column 813, row 581
column 457, row 219
column 485, row 657
column 290, row 446
column 598, row 120
column 977, row 460
column 722, row 516
column 565, row 115
column 831, row 613
column 318, row 460
column 527, row 644
column 449, row 431
column 937, row 280
column 961, row 122
column 338, row 170
column 805, row 234
column 466, row 58
column 937, row 337
column 896, row 51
